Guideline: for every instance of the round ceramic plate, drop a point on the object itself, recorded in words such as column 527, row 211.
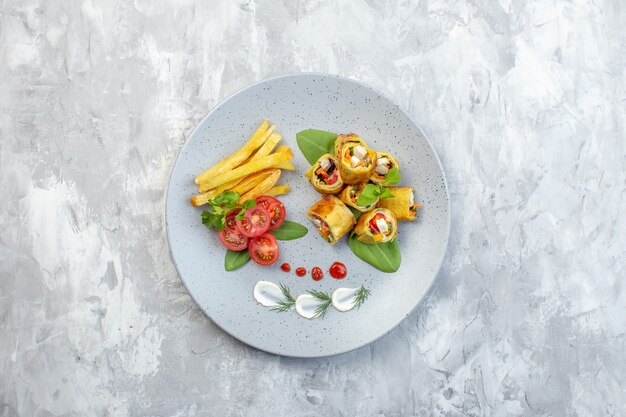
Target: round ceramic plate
column 295, row 103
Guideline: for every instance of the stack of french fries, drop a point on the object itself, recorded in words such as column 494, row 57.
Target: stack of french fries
column 252, row 170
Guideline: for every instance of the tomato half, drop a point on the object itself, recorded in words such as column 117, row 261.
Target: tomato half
column 231, row 222
column 373, row 225
column 254, row 223
column 275, row 208
column 264, row 249
column 232, row 239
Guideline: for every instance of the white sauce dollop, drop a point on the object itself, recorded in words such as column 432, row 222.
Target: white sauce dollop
column 267, row 293
column 306, row 305
column 344, row 299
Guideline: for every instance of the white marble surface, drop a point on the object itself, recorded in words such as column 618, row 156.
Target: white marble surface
column 525, row 102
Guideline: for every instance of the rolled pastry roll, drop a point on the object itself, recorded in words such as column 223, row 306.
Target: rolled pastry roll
column 347, row 138
column 382, row 166
column 356, row 163
column 324, row 175
column 402, row 205
column 331, row 218
column 377, row 226
column 350, row 195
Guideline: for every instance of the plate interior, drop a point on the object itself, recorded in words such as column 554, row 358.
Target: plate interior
column 295, row 103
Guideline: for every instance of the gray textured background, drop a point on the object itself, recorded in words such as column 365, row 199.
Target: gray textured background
column 525, row 102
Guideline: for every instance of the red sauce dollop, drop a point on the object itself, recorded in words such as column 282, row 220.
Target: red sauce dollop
column 285, row 267
column 317, row 273
column 301, row 271
column 338, row 270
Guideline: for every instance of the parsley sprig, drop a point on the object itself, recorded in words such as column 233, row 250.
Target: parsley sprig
column 371, row 192
column 221, row 206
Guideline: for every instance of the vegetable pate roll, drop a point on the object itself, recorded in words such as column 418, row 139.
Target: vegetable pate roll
column 351, row 194
column 383, row 164
column 347, row 138
column 331, row 218
column 377, row 226
column 402, row 205
column 356, row 163
column 324, row 175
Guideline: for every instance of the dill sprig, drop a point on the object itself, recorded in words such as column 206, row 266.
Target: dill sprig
column 325, row 302
column 288, row 303
column 360, row 296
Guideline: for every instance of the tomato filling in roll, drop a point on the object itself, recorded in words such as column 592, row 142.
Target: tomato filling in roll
column 327, row 172
column 380, row 226
column 323, row 228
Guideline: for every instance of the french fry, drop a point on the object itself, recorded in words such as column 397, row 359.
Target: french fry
column 253, row 180
column 278, row 190
column 283, row 149
column 251, row 167
column 287, row 165
column 258, row 138
column 198, row 200
column 263, row 186
column 267, row 147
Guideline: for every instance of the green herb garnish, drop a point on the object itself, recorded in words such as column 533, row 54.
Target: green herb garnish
column 235, row 260
column 385, row 257
column 325, row 302
column 372, row 192
column 288, row 303
column 220, row 206
column 314, row 143
column 289, row 231
column 360, row 296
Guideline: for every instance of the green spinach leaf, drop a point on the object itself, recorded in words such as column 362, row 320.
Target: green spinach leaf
column 393, row 176
column 289, row 231
column 386, row 193
column 314, row 143
column 383, row 256
column 235, row 260
column 369, row 194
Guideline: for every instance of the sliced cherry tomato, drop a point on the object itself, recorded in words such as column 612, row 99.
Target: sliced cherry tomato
column 232, row 239
column 254, row 223
column 231, row 221
column 264, row 249
column 275, row 208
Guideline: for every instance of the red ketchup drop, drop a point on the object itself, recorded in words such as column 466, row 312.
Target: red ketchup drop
column 301, row 271
column 317, row 273
column 338, row 270
column 285, row 267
